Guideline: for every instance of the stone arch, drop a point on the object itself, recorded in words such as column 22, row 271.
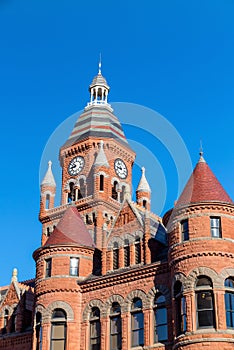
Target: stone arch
column 59, row 305
column 181, row 278
column 138, row 234
column 113, row 180
column 115, row 239
column 81, row 177
column 40, row 308
column 114, row 298
column 158, row 288
column 225, row 273
column 205, row 271
column 94, row 303
column 135, row 294
column 6, row 307
column 129, row 237
column 68, row 183
column 44, row 193
column 102, row 173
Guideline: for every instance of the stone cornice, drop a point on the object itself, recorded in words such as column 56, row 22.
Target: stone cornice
column 200, row 254
column 130, row 275
column 44, row 250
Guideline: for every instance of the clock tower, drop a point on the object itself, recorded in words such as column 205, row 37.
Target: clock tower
column 96, row 163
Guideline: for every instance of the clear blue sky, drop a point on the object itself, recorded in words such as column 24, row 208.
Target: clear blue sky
column 175, row 57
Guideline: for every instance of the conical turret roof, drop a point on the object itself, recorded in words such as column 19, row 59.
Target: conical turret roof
column 203, row 186
column 143, row 185
column 71, row 230
column 49, row 177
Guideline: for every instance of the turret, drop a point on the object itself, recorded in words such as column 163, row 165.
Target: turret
column 198, row 230
column 48, row 189
column 143, row 191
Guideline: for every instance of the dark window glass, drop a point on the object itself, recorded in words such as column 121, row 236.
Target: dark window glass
column 47, row 201
column 185, row 230
column 160, row 319
column 115, row 327
column 58, row 330
column 115, row 256
column 180, row 305
column 215, row 227
column 95, row 329
column 71, row 194
column 137, row 251
column 74, row 266
column 205, row 309
column 5, row 321
column 137, row 323
column 126, row 253
column 229, row 302
column 48, row 267
column 114, row 190
column 101, row 187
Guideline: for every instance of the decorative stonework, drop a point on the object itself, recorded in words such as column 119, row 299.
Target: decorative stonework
column 135, row 294
column 94, row 303
column 158, row 288
column 58, row 305
column 114, row 298
column 203, row 271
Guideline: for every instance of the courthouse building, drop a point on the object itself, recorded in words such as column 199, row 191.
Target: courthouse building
column 111, row 274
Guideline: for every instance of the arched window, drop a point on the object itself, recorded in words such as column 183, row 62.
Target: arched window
column 95, row 329
column 47, row 201
column 204, row 302
column 144, row 203
column 71, row 194
column 180, row 309
column 137, row 323
column 115, row 256
column 38, row 331
column 115, row 327
column 5, row 321
column 229, row 302
column 101, row 183
column 58, row 330
column 160, row 319
column 137, row 250
column 126, row 253
column 114, row 190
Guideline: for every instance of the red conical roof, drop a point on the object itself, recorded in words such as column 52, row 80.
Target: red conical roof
column 71, row 229
column 203, row 186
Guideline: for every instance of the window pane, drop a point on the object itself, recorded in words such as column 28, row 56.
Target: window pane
column 58, row 331
column 162, row 332
column 58, row 345
column 205, row 318
column 161, row 316
column 204, row 300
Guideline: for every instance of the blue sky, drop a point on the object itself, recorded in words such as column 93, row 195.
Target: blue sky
column 174, row 57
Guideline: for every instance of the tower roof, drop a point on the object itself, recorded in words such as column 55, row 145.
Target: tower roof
column 101, row 159
column 203, row 186
column 49, row 177
column 71, row 229
column 143, row 185
column 97, row 122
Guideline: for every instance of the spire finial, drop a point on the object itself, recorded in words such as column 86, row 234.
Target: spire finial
column 201, row 160
column 201, row 149
column 100, row 64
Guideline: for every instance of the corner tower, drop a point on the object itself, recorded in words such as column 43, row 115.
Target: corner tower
column 201, row 260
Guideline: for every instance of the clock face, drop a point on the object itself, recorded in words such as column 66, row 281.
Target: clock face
column 76, row 165
column 120, row 168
